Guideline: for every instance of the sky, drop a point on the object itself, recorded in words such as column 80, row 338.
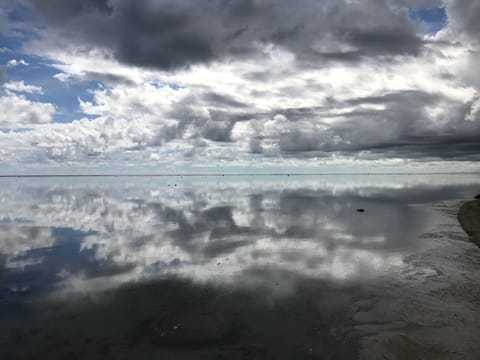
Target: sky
column 172, row 86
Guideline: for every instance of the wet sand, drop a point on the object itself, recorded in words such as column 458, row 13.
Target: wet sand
column 433, row 310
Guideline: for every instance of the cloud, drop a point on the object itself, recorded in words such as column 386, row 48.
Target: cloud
column 61, row 77
column 252, row 82
column 169, row 34
column 21, row 87
column 463, row 18
column 221, row 112
column 15, row 62
column 17, row 111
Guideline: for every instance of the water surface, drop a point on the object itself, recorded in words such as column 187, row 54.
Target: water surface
column 210, row 267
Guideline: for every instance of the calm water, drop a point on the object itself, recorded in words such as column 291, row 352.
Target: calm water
column 204, row 268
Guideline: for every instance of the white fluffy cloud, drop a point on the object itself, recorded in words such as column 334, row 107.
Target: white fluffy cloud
column 17, row 111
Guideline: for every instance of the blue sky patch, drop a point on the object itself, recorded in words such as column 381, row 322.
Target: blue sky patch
column 40, row 72
column 434, row 19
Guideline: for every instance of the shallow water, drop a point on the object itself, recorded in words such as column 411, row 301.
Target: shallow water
column 267, row 267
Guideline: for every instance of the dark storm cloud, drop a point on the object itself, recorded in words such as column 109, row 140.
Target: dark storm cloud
column 402, row 128
column 168, row 34
column 65, row 10
column 109, row 79
column 463, row 17
column 218, row 128
column 398, row 126
column 384, row 41
column 423, row 4
column 447, row 147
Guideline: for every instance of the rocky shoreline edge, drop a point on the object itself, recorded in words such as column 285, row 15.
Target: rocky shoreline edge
column 469, row 218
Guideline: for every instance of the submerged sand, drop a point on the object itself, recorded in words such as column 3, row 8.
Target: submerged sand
column 432, row 310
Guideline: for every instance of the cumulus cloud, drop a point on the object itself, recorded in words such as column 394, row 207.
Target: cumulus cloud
column 169, row 34
column 463, row 18
column 18, row 111
column 245, row 82
column 229, row 111
column 81, row 140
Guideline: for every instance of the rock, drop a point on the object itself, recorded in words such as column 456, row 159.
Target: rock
column 361, row 210
column 469, row 218
column 477, row 197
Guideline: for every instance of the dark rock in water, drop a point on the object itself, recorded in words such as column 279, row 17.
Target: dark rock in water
column 477, row 197
column 469, row 218
column 360, row 210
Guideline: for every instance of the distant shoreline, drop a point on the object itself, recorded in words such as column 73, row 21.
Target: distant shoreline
column 232, row 174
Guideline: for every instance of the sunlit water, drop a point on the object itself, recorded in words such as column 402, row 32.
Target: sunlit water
column 204, row 267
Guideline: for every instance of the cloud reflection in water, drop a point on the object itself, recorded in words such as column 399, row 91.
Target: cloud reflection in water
column 229, row 232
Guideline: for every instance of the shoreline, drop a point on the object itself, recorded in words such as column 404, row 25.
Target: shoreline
column 431, row 310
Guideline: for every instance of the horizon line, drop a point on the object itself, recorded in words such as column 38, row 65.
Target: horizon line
column 234, row 174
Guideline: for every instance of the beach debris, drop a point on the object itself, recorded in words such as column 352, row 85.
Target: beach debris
column 361, row 210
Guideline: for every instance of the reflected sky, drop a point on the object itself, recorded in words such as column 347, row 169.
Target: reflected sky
column 64, row 237
column 93, row 233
